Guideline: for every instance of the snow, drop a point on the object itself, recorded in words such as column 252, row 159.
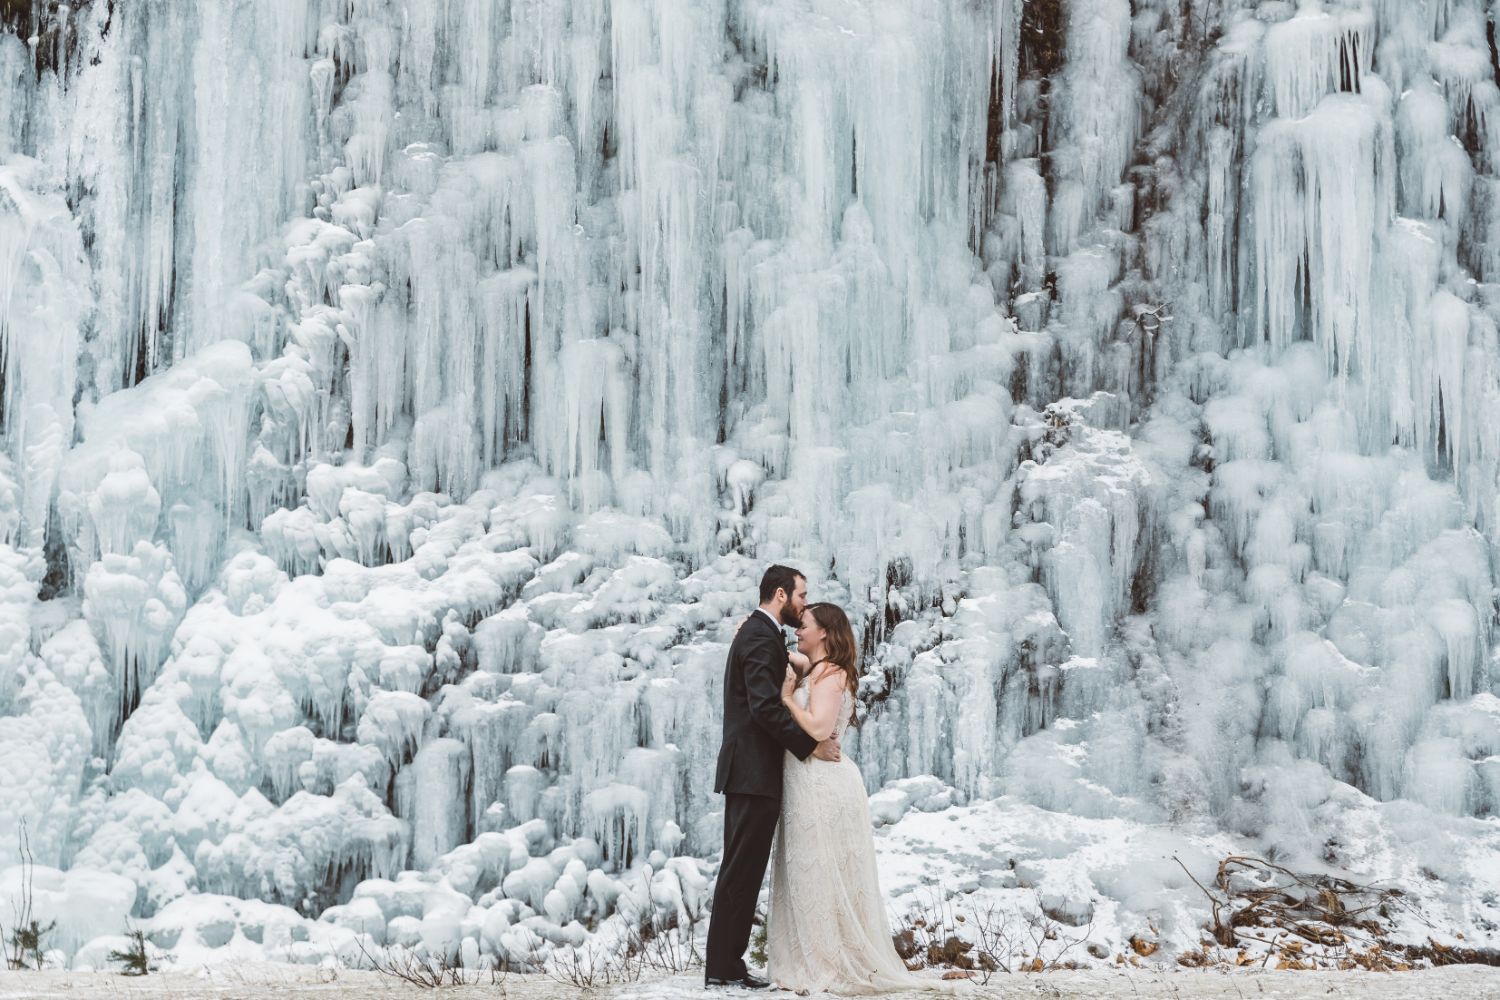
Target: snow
column 401, row 403
column 255, row 980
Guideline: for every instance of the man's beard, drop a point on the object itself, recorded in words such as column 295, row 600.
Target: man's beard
column 789, row 618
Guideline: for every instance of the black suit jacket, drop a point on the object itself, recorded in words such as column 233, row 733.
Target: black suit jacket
column 757, row 726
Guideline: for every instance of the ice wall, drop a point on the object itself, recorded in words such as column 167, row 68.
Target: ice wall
column 400, row 402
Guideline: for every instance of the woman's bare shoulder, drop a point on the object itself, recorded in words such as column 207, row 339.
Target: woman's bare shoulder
column 825, row 670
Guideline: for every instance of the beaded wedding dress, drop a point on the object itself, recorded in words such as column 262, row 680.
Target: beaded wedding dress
column 828, row 928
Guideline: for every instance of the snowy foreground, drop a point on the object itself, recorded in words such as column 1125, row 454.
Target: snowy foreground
column 1070, row 891
column 262, row 982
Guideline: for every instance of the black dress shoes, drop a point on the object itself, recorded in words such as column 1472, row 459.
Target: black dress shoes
column 747, row 981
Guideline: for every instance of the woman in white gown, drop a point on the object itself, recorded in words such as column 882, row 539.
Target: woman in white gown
column 827, row 928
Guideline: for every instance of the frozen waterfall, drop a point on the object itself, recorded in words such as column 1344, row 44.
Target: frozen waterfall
column 401, row 398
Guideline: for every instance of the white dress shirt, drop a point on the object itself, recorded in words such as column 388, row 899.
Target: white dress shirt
column 771, row 618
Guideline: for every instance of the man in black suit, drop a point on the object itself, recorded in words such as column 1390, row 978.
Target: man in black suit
column 757, row 728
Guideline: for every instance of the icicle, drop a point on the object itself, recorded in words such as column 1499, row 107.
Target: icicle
column 252, row 104
column 1315, row 53
column 1099, row 116
column 44, row 300
column 393, row 721
column 1435, row 169
column 1438, row 775
column 592, row 420
column 1025, row 194
column 616, row 817
column 503, row 299
column 439, row 816
column 134, row 602
column 1320, row 193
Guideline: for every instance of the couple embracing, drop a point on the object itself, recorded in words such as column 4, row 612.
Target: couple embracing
column 784, row 777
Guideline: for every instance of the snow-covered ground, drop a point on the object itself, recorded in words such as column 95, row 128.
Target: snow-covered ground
column 263, row 983
column 1106, row 882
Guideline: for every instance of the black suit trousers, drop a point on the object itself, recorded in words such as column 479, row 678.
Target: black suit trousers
column 749, row 826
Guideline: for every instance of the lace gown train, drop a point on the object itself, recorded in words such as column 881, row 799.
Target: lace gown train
column 827, row 928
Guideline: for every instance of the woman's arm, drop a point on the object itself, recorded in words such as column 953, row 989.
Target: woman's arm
column 825, row 697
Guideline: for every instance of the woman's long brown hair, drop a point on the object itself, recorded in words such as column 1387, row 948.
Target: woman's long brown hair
column 839, row 646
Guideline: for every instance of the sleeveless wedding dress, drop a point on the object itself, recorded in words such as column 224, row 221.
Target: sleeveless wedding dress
column 827, row 928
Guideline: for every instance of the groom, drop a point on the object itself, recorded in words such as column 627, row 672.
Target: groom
column 757, row 727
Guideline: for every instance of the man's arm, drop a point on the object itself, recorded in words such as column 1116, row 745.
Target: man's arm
column 763, row 676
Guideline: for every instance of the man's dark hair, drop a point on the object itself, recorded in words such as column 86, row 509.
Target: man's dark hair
column 779, row 576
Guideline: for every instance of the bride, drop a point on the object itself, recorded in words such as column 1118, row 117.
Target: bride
column 827, row 928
